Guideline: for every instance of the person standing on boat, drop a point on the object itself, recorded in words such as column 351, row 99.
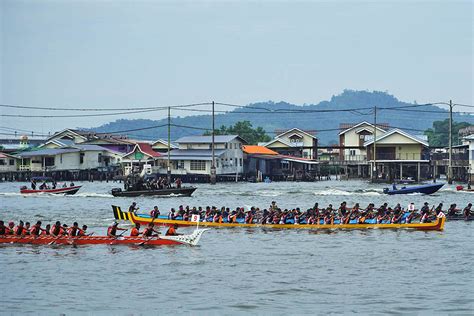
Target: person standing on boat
column 155, row 212
column 178, row 183
column 112, row 229
column 133, row 208
column 33, row 184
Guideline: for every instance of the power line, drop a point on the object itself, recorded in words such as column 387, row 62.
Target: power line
column 99, row 109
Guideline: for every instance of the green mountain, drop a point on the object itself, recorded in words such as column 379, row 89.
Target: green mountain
column 320, row 117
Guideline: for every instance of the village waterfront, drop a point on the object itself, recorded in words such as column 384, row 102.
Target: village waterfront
column 261, row 271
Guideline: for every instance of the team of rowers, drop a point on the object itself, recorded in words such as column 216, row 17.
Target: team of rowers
column 58, row 230
column 343, row 214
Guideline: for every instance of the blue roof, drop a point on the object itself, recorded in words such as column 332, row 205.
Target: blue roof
column 194, row 154
column 222, row 139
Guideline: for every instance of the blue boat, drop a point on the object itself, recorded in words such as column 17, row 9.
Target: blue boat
column 425, row 189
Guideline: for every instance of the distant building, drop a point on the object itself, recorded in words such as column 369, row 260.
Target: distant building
column 470, row 139
column 194, row 156
column 142, row 158
column 295, row 142
column 161, row 146
column 353, row 137
column 8, row 163
column 13, row 143
column 399, row 155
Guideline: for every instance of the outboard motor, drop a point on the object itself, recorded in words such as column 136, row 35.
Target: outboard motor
column 385, row 190
column 116, row 190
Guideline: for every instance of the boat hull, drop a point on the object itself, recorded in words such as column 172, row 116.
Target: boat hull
column 163, row 192
column 66, row 191
column 129, row 216
column 425, row 189
column 84, row 240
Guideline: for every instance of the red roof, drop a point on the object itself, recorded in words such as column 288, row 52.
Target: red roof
column 146, row 149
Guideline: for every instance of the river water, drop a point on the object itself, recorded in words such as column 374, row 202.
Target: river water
column 258, row 271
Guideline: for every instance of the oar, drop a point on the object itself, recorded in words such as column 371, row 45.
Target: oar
column 54, row 241
column 112, row 242
column 144, row 242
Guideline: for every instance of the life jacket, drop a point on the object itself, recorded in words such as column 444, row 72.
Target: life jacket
column 35, row 230
column 3, row 230
column 73, row 231
column 80, row 233
column 171, row 232
column 111, row 231
column 134, row 232
column 55, row 230
column 19, row 230
column 148, row 232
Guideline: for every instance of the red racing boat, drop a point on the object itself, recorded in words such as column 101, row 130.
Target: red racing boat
column 69, row 190
column 191, row 239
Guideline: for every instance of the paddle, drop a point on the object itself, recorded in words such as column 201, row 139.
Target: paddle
column 144, row 242
column 54, row 241
column 115, row 237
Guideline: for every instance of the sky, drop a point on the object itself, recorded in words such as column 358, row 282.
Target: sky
column 114, row 54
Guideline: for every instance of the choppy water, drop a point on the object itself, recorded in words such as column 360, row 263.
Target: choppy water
column 258, row 271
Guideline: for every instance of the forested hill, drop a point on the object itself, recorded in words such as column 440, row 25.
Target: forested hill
column 310, row 117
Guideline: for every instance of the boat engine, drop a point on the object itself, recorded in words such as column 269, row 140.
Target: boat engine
column 116, row 190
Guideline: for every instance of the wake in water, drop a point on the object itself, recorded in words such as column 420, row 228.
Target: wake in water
column 341, row 192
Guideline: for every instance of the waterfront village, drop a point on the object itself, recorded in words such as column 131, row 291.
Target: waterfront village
column 292, row 155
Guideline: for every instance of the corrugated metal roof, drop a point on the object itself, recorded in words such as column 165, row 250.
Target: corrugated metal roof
column 48, row 152
column 208, row 139
column 186, row 153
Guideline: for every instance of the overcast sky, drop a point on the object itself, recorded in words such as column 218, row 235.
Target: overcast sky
column 148, row 53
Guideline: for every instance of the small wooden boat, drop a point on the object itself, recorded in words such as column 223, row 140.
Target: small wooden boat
column 68, row 190
column 425, row 189
column 438, row 224
column 191, row 239
column 186, row 191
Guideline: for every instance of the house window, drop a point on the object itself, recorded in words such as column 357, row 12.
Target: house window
column 181, row 164
column 352, row 152
column 240, row 145
column 2, row 162
column 235, row 160
column 217, row 163
column 48, row 161
column 226, row 146
column 198, row 165
column 81, row 157
column 99, row 158
column 241, row 162
column 12, row 162
column 61, row 158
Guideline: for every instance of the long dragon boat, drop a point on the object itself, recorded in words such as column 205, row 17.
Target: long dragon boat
column 191, row 239
column 144, row 219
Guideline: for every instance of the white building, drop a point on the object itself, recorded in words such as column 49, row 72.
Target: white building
column 470, row 139
column 8, row 163
column 354, row 136
column 71, row 157
column 294, row 142
column 194, row 155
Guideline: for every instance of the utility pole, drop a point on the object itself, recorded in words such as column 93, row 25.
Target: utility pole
column 213, row 163
column 169, row 145
column 450, row 164
column 374, row 170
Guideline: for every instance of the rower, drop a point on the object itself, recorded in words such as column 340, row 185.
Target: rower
column 171, row 215
column 74, row 230
column 439, row 208
column 133, row 208
column 154, row 213
column 135, row 230
column 467, row 210
column 19, row 229
column 148, row 232
column 36, row 229
column 172, row 230
column 10, row 228
column 3, row 228
column 47, row 229
column 112, row 229
column 56, row 229
column 27, row 228
column 425, row 212
column 82, row 232
column 452, row 210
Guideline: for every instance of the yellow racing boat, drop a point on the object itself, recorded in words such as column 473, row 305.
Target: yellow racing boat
column 144, row 219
